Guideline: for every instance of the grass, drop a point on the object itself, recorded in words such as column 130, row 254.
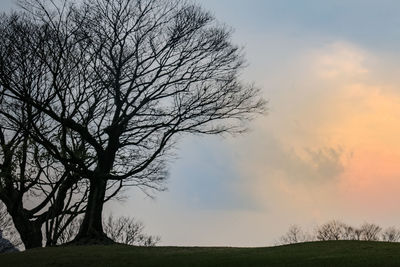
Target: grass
column 332, row 253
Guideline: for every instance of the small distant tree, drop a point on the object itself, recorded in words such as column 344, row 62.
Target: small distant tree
column 127, row 230
column 333, row 230
column 358, row 233
column 370, row 232
column 391, row 234
column 295, row 234
column 349, row 232
column 336, row 230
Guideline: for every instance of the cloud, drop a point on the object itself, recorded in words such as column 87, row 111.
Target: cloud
column 340, row 60
column 327, row 161
column 329, row 146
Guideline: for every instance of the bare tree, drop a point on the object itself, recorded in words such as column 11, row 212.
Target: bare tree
column 336, row 230
column 333, row 230
column 358, row 233
column 126, row 230
column 35, row 187
column 349, row 232
column 123, row 81
column 370, row 232
column 391, row 234
column 294, row 235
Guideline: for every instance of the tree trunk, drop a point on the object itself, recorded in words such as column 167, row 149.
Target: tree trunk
column 91, row 229
column 29, row 231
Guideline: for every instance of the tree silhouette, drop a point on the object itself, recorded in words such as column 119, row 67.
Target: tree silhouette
column 332, row 230
column 370, row 232
column 295, row 234
column 36, row 189
column 120, row 82
column 391, row 234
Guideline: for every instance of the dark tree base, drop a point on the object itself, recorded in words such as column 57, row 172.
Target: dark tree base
column 91, row 240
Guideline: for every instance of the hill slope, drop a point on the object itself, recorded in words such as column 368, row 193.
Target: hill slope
column 333, row 253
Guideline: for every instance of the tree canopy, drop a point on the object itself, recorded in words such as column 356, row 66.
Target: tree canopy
column 106, row 88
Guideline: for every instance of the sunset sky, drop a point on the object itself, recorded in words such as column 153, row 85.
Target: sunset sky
column 329, row 147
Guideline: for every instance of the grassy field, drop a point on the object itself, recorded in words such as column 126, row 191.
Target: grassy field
column 332, row 253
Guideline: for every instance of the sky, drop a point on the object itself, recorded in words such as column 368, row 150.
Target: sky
column 328, row 148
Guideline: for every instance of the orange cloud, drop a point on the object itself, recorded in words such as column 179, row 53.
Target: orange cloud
column 330, row 147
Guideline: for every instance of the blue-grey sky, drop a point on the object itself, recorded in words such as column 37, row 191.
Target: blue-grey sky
column 374, row 23
column 328, row 147
column 6, row 5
